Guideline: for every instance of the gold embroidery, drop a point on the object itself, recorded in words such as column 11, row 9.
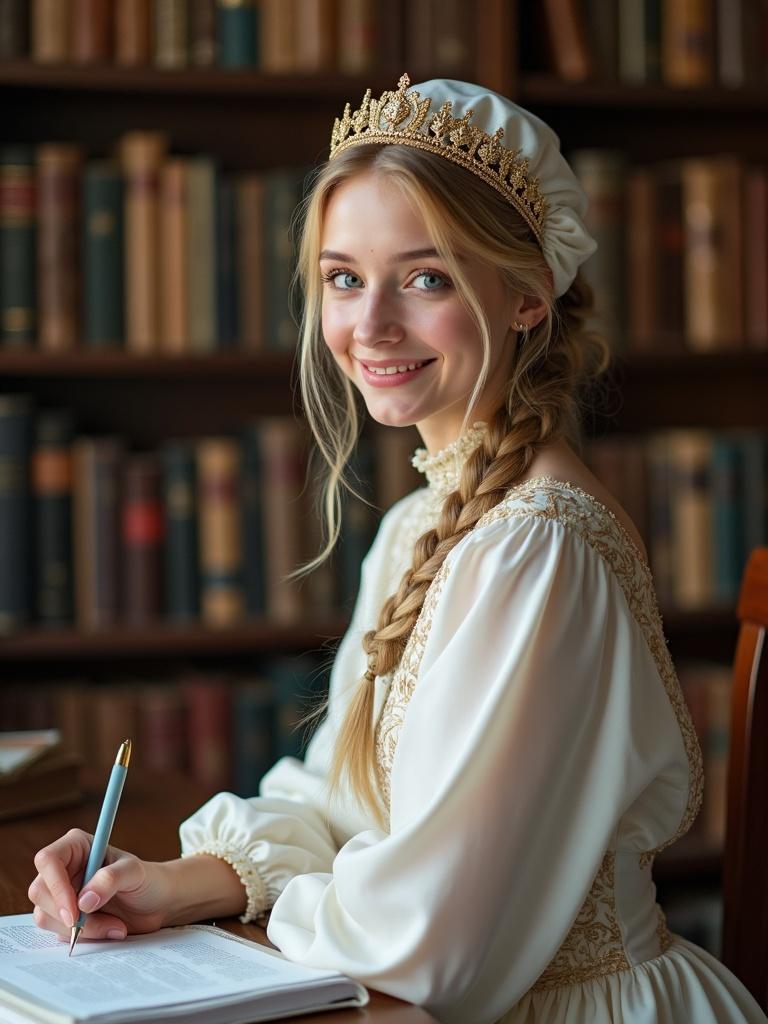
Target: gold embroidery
column 593, row 946
column 662, row 931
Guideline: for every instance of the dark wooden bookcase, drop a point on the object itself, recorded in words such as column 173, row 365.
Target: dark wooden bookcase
column 252, row 120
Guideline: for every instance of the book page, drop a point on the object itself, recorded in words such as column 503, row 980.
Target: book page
column 171, row 967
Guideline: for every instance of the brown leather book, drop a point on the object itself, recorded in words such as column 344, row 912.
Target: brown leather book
column 208, row 701
column 50, row 31
column 59, row 169
column 642, row 260
column 572, row 59
column 249, row 201
column 756, row 257
column 712, row 194
column 162, row 729
column 133, row 32
column 669, row 329
column 174, row 320
column 316, row 35
column 283, row 464
column 358, row 24
column 91, row 31
column 14, row 29
column 278, row 35
column 143, row 531
column 142, row 155
column 96, row 465
column 692, row 555
column 115, row 711
column 171, row 34
column 202, row 33
column 201, row 253
column 52, row 780
column 687, row 48
column 221, row 550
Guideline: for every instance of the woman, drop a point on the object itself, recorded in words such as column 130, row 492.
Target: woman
column 506, row 745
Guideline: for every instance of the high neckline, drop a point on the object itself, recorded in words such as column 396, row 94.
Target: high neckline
column 443, row 469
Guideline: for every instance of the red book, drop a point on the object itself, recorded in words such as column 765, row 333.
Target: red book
column 143, row 531
column 209, row 723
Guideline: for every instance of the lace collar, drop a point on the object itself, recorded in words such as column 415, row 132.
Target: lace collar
column 443, row 469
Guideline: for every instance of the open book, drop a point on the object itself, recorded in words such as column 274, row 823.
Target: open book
column 194, row 973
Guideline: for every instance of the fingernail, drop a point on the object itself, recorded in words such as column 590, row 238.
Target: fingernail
column 88, row 902
column 115, row 933
column 66, row 917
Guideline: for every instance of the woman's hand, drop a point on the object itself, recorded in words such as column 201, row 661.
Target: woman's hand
column 127, row 894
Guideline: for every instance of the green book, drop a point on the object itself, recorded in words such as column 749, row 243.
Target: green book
column 103, row 271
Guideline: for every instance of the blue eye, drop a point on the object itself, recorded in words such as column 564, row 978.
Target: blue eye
column 430, row 275
column 334, row 275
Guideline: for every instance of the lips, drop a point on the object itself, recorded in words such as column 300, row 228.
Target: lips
column 381, row 374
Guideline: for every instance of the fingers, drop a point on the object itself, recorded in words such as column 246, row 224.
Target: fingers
column 57, row 865
column 123, row 875
column 97, row 926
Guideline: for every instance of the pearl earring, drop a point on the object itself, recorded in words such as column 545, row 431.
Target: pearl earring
column 520, row 327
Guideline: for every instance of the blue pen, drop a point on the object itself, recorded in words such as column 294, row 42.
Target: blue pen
column 104, row 827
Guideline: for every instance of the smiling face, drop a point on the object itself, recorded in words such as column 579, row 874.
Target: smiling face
column 394, row 321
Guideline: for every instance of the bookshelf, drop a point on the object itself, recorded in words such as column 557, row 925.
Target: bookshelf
column 218, row 111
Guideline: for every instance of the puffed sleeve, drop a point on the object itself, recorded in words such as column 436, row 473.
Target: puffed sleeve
column 537, row 719
column 292, row 827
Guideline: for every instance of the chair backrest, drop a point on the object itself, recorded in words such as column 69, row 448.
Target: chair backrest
column 745, row 861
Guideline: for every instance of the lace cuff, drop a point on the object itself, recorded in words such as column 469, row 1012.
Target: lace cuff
column 247, row 872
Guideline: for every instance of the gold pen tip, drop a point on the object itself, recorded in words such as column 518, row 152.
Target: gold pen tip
column 124, row 754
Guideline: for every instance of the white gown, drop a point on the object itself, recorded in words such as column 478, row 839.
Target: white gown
column 534, row 752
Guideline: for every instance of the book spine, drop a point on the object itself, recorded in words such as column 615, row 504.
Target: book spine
column 569, row 44
column 316, row 34
column 280, row 201
column 692, row 519
column 277, row 35
column 50, row 31
column 181, row 559
column 358, row 523
column 299, row 685
column 728, row 500
column 754, row 458
column 454, row 41
column 282, row 479
column 142, row 156
column 251, row 261
column 174, row 309
column 162, row 729
column 51, row 476
column 14, row 29
column 103, row 267
column 642, row 261
column 220, row 537
column 91, row 31
column 18, row 258
column 115, row 716
column 227, row 299
column 133, row 33
column 15, row 541
column 58, row 268
column 171, row 34
column 209, row 725
column 254, row 537
column 687, row 48
column 237, row 26
column 143, row 531
column 756, row 258
column 202, row 33
column 96, row 464
column 670, row 274
column 253, row 734
column 358, row 23
column 201, row 253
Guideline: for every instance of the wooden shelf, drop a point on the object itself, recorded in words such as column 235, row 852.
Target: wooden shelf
column 119, row 364
column 547, row 90
column 167, row 641
column 190, row 82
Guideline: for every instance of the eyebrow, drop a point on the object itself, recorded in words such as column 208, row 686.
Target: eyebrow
column 414, row 254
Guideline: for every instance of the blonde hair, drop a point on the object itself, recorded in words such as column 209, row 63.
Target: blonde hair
column 541, row 402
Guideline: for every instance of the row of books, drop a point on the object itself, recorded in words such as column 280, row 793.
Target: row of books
column 223, row 729
column 707, row 690
column 148, row 251
column 677, row 43
column 95, row 536
column 700, row 500
column 227, row 729
column 350, row 36
column 682, row 258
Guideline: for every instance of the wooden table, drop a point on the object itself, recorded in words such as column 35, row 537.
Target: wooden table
column 147, row 825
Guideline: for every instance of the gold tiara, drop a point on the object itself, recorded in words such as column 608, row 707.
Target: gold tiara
column 398, row 117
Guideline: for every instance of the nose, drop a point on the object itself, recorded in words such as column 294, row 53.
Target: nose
column 378, row 321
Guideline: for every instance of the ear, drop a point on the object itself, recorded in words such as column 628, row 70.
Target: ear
column 529, row 310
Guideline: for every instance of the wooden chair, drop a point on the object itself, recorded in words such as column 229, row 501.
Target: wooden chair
column 745, row 862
